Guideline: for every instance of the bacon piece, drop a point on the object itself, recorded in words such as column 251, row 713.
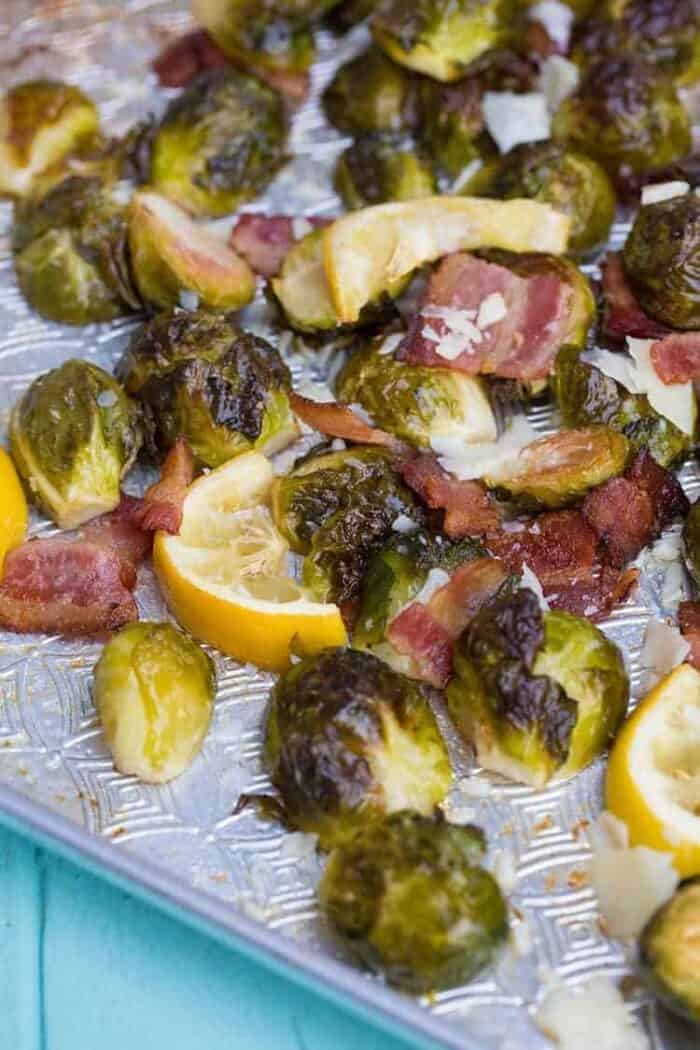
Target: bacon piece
column 689, row 620
column 521, row 345
column 468, row 508
column 265, row 240
column 339, row 421
column 623, row 315
column 186, row 57
column 596, row 598
column 559, row 546
column 455, row 604
column 676, row 357
column 161, row 507
column 119, row 531
column 664, row 489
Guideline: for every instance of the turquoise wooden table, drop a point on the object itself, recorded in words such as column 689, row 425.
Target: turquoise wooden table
column 84, row 966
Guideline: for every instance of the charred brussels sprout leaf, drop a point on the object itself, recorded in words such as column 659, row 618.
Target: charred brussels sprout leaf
column 348, row 740
column 585, row 395
column 407, row 895
column 370, row 93
column 662, row 260
column 154, row 691
column 41, row 121
column 73, row 435
column 545, row 171
column 691, row 542
column 624, row 113
column 219, row 143
column 198, row 376
column 669, row 950
column 383, row 167
column 441, row 37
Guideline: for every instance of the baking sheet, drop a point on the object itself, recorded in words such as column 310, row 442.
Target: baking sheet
column 182, row 838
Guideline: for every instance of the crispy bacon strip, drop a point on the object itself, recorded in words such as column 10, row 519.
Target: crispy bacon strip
column 119, row 531
column 339, row 421
column 161, row 507
column 676, row 357
column 468, row 508
column 594, row 599
column 689, row 620
column 186, row 57
column 623, row 315
column 265, row 240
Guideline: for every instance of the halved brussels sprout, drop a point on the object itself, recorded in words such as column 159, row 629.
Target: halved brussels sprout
column 624, row 113
column 170, row 256
column 383, row 167
column 74, row 434
column 586, row 396
column 41, row 121
column 545, row 171
column 407, row 895
column 441, row 37
column 662, row 260
column 219, row 143
column 370, row 93
column 691, row 542
column 274, row 36
column 415, row 402
column 669, row 952
column 560, row 469
column 199, row 376
column 348, row 740
column 452, row 122
column 537, row 695
column 154, row 692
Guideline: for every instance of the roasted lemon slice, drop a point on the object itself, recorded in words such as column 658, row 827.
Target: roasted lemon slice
column 13, row 507
column 653, row 781
column 225, row 575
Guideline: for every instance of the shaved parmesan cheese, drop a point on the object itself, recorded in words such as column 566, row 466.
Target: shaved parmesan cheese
column 673, row 589
column 391, row 343
column 404, row 525
column 529, row 579
column 466, row 174
column 664, row 191
column 462, row 332
column 491, row 310
column 437, row 578
column 595, row 1012
column 188, row 300
column 301, row 227
column 485, row 457
column 675, row 401
column 616, row 366
column 557, row 80
column 315, row 391
column 556, row 18
column 663, row 649
column 512, row 119
column 361, row 413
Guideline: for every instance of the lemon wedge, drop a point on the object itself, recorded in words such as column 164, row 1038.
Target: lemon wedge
column 13, row 507
column 368, row 251
column 653, row 780
column 225, row 576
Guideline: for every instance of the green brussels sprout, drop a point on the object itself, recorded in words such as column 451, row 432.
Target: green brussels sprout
column 199, row 376
column 624, row 113
column 407, row 895
column 547, row 172
column 538, row 695
column 662, row 260
column 41, row 121
column 348, row 740
column 219, row 143
column 560, row 469
column 416, row 402
column 74, row 434
column 669, row 952
column 154, row 692
column 586, row 396
column 441, row 37
column 370, row 93
column 691, row 542
column 452, row 122
column 337, row 508
column 170, row 256
column 383, row 166
column 71, row 254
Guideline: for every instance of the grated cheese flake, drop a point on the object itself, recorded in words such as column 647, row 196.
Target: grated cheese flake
column 558, row 78
column 512, row 119
column 467, row 462
column 492, row 310
column 557, row 19
column 664, row 191
column 573, row 1017
column 663, row 649
column 675, row 401
column 529, row 579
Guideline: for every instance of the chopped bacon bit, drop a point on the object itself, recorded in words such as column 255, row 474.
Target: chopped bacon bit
column 689, row 620
column 468, row 508
column 186, row 57
column 597, row 598
column 676, row 357
column 559, row 546
column 265, row 240
column 162, row 503
column 339, row 421
column 119, row 531
column 455, row 604
column 665, row 490
column 294, row 87
column 415, row 633
column 623, row 315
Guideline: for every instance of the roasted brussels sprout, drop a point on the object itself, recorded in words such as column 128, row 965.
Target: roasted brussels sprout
column 452, row 122
column 70, row 250
column 547, row 172
column 691, row 542
column 407, row 895
column 199, row 376
column 624, row 113
column 441, row 37
column 370, row 93
column 219, row 143
column 585, row 395
column 337, row 508
column 154, row 691
column 662, row 260
column 383, row 166
column 669, row 951
column 415, row 402
column 348, row 740
column 40, row 122
column 538, row 695
column 73, row 436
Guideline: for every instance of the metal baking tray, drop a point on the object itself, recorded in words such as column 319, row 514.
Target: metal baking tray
column 241, row 878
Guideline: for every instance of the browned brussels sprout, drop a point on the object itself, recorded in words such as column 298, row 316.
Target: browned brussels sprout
column 197, row 375
column 348, row 740
column 383, row 166
column 408, row 897
column 348, row 13
column 669, row 950
column 219, row 143
column 624, row 113
column 662, row 260
column 370, row 93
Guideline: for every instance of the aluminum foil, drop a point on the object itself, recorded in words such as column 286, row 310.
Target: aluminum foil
column 51, row 745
